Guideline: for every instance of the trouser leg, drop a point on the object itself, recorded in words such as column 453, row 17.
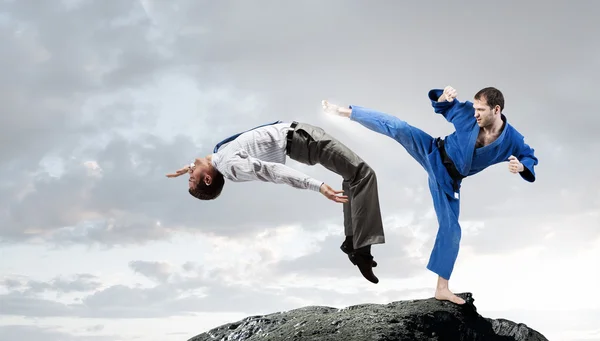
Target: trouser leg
column 420, row 145
column 447, row 242
column 362, row 217
column 416, row 142
column 347, row 208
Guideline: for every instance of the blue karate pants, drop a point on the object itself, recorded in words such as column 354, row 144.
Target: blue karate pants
column 420, row 146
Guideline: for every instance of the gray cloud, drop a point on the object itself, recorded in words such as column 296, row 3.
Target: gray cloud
column 158, row 271
column 32, row 333
column 185, row 290
column 20, row 304
column 10, row 283
column 60, row 284
column 54, row 60
column 393, row 259
column 95, row 328
column 165, row 300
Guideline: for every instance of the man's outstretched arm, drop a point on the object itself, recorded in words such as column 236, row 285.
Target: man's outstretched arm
column 247, row 168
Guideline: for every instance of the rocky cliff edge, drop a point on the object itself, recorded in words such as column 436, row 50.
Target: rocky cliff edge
column 424, row 319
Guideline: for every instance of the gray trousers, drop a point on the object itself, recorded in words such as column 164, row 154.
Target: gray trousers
column 362, row 217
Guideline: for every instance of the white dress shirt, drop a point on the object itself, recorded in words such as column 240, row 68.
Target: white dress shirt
column 260, row 155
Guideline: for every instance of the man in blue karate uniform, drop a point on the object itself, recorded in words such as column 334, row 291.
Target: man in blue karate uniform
column 483, row 137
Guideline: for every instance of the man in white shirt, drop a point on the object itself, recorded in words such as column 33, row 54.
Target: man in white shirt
column 259, row 154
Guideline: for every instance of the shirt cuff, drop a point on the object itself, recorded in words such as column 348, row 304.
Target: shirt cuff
column 314, row 184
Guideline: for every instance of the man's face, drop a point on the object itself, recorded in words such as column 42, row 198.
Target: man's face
column 198, row 172
column 483, row 113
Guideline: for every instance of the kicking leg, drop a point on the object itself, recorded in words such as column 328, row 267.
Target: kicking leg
column 447, row 242
column 416, row 142
column 419, row 145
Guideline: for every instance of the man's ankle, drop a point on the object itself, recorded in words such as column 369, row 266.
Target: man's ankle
column 364, row 249
column 442, row 283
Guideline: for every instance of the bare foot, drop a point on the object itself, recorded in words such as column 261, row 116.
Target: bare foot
column 335, row 109
column 444, row 294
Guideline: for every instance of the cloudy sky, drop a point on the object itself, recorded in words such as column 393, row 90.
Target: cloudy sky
column 100, row 99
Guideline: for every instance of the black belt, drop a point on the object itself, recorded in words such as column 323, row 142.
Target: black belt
column 289, row 136
column 449, row 164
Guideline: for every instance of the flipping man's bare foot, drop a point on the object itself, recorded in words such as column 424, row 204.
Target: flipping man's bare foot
column 335, row 109
column 442, row 292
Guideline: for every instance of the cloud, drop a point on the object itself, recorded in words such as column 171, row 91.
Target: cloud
column 60, row 284
column 183, row 295
column 55, row 58
column 20, row 304
column 31, row 333
column 159, row 271
column 402, row 256
column 270, row 271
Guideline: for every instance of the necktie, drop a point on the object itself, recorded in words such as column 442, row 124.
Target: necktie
column 233, row 137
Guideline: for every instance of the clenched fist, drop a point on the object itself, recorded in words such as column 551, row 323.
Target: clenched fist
column 449, row 93
column 514, row 165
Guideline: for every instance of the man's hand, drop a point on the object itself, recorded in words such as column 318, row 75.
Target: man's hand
column 449, row 94
column 179, row 172
column 335, row 109
column 514, row 165
column 332, row 194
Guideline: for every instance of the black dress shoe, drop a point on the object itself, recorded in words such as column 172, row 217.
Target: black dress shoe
column 364, row 261
column 347, row 248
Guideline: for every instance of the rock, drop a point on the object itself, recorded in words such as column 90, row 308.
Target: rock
column 425, row 319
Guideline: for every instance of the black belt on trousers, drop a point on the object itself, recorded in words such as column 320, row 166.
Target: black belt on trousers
column 449, row 164
column 289, row 137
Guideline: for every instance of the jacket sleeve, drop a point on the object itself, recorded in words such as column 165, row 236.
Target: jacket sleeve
column 243, row 167
column 529, row 160
column 455, row 112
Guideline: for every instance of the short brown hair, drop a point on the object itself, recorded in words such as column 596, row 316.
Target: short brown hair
column 203, row 191
column 492, row 96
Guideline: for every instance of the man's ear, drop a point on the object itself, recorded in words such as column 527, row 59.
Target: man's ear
column 497, row 109
column 207, row 179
